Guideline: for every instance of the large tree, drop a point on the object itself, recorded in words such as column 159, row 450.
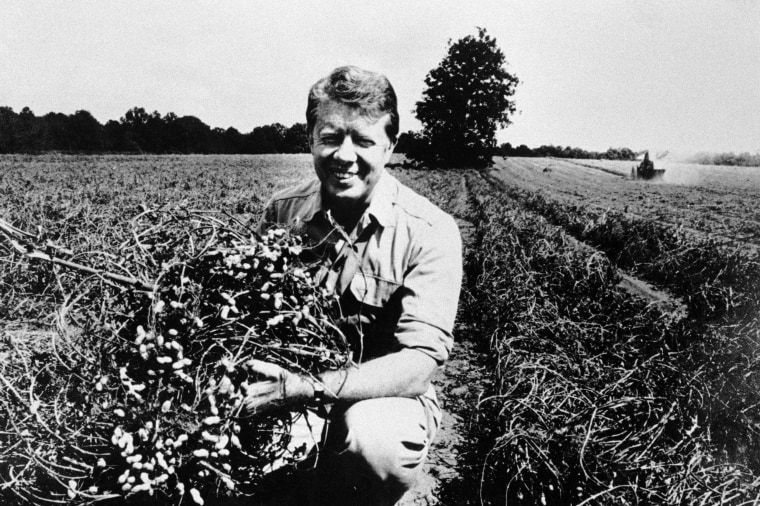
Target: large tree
column 466, row 100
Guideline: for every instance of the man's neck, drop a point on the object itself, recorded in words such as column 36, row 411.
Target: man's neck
column 346, row 213
column 347, row 216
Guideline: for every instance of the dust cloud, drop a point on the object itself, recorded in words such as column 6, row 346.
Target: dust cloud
column 679, row 171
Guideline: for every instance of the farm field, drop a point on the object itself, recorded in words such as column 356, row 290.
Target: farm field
column 563, row 389
column 712, row 201
column 540, row 296
column 86, row 202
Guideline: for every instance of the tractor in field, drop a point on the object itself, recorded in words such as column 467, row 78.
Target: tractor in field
column 646, row 170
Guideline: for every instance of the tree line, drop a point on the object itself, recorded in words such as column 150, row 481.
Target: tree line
column 413, row 143
column 140, row 132
column 745, row 159
column 507, row 149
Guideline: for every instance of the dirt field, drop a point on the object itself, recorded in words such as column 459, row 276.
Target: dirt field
column 710, row 200
column 76, row 198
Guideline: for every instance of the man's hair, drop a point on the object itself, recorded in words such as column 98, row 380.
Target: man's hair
column 370, row 93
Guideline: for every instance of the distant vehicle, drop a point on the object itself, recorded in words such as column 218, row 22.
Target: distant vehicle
column 646, row 170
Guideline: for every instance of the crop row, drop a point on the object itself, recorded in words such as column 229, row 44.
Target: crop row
column 597, row 397
column 720, row 287
column 716, row 283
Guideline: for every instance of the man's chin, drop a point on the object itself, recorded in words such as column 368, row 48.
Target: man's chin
column 345, row 195
column 345, row 189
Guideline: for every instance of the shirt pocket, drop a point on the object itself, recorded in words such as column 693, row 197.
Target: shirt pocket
column 372, row 291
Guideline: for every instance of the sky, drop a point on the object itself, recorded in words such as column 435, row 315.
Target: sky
column 680, row 75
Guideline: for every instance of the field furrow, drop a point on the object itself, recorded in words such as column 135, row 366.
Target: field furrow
column 720, row 203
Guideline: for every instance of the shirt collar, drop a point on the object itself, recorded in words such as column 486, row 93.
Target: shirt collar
column 313, row 204
column 381, row 206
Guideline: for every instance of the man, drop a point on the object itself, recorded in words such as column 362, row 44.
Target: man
column 394, row 260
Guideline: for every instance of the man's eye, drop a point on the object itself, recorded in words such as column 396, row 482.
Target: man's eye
column 365, row 143
column 330, row 139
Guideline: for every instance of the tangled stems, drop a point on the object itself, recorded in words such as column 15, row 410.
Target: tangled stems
column 141, row 393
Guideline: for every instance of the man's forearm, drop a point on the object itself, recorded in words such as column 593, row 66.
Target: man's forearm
column 406, row 373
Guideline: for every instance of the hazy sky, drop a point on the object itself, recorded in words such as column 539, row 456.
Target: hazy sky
column 679, row 75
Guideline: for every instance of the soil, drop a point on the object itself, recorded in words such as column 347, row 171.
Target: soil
column 462, row 380
column 459, row 384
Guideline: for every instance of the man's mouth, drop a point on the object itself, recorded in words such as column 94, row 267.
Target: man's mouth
column 342, row 175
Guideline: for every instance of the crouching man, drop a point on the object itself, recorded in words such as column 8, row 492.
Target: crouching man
column 395, row 261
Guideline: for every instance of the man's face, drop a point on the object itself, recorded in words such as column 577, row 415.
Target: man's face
column 350, row 152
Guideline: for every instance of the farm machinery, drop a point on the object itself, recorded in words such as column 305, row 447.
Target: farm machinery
column 646, row 170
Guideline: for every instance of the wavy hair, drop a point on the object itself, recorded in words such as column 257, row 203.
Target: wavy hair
column 368, row 92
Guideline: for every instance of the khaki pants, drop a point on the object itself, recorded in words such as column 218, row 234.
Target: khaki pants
column 371, row 452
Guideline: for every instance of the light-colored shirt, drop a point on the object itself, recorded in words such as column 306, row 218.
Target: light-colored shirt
column 398, row 273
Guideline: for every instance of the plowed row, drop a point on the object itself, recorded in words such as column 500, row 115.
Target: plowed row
column 718, row 202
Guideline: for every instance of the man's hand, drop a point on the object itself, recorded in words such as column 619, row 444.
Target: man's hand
column 405, row 373
column 279, row 388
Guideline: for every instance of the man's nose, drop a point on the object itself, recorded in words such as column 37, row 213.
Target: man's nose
column 346, row 151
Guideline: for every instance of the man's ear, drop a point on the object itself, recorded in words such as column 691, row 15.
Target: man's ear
column 389, row 150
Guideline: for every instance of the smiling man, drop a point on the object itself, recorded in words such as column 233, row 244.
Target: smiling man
column 395, row 262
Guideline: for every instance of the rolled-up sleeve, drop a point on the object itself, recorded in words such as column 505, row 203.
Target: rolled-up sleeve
column 430, row 290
